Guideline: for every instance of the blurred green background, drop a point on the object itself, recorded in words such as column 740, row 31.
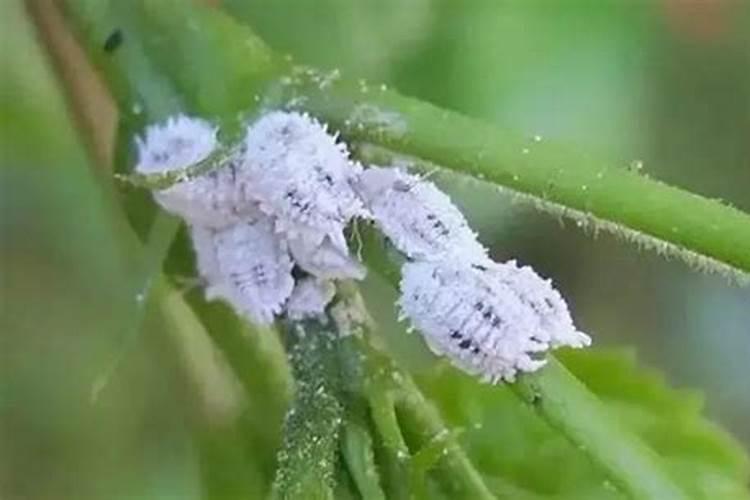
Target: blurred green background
column 664, row 83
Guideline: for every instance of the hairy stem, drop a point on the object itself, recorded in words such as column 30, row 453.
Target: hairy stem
column 307, row 459
column 558, row 178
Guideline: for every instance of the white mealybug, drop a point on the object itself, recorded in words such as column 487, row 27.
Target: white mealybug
column 215, row 199
column 204, row 247
column 248, row 265
column 324, row 259
column 557, row 326
column 309, row 298
column 418, row 218
column 301, row 175
column 481, row 323
column 178, row 143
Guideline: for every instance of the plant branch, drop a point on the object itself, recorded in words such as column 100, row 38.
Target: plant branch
column 390, row 389
column 568, row 406
column 307, row 459
column 704, row 232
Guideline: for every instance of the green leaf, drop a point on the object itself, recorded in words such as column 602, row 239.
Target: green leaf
column 705, row 459
column 519, row 452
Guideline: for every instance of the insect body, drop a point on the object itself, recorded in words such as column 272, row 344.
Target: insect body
column 309, row 298
column 302, row 176
column 216, row 199
column 483, row 324
column 284, row 197
column 247, row 265
column 556, row 325
column 323, row 258
column 418, row 218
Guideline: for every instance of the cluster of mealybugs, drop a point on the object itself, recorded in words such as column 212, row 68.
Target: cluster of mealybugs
column 282, row 200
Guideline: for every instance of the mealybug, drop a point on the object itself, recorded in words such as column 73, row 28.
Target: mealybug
column 248, row 265
column 484, row 325
column 309, row 298
column 324, row 259
column 418, row 218
column 216, row 199
column 300, row 174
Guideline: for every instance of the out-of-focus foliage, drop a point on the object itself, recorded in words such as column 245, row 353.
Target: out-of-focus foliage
column 69, row 264
column 65, row 300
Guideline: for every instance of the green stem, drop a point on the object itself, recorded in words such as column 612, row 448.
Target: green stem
column 567, row 405
column 395, row 454
column 360, row 459
column 383, row 411
column 454, row 469
column 417, row 415
column 704, row 232
column 392, row 394
column 307, row 459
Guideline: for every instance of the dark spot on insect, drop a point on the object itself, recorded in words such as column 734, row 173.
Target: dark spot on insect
column 160, row 157
column 479, row 267
column 475, row 350
column 113, row 41
column 431, row 216
column 536, row 399
column 464, row 344
column 479, row 306
column 455, row 334
column 401, row 186
column 299, row 273
column 496, row 322
column 487, row 314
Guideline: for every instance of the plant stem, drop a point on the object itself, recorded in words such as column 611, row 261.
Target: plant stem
column 455, row 471
column 567, row 405
column 360, row 459
column 557, row 177
column 307, row 459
